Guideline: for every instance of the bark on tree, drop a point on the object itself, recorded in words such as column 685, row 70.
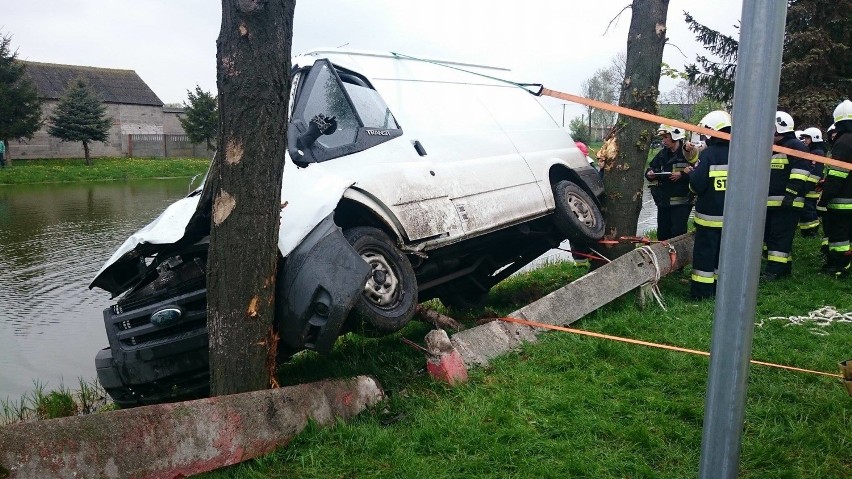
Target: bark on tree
column 253, row 79
column 624, row 179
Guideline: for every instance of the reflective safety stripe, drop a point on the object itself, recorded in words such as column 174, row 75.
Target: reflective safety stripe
column 847, row 116
column 798, row 202
column 840, row 204
column 838, row 173
column 791, row 191
column 813, row 178
column 812, row 195
column 679, row 200
column 703, row 276
column 821, row 208
column 778, row 256
column 809, row 225
column 582, row 262
column 719, row 170
column 709, row 221
column 779, row 162
column 824, row 242
column 842, row 246
column 799, row 174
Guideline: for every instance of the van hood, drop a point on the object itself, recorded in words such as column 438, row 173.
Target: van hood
column 308, row 196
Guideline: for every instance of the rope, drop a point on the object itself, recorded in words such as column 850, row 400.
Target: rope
column 654, row 283
column 820, row 318
column 654, row 345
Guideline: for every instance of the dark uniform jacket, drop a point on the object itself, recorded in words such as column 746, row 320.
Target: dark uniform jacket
column 816, row 171
column 837, row 190
column 666, row 192
column 709, row 181
column 790, row 175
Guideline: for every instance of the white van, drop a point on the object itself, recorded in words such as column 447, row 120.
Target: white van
column 405, row 180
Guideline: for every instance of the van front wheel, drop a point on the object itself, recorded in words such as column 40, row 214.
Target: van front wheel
column 390, row 293
column 577, row 216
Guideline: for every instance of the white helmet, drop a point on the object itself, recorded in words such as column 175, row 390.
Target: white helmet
column 831, row 128
column 814, row 133
column 783, row 122
column 799, row 134
column 843, row 111
column 716, row 120
column 675, row 132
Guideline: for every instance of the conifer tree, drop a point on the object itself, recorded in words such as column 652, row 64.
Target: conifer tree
column 20, row 109
column 202, row 117
column 80, row 116
column 816, row 71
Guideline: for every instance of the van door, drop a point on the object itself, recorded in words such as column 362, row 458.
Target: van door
column 489, row 183
column 365, row 145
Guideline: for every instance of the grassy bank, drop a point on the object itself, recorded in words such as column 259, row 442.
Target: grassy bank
column 572, row 406
column 103, row 169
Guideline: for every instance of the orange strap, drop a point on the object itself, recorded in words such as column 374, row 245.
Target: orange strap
column 653, row 345
column 686, row 126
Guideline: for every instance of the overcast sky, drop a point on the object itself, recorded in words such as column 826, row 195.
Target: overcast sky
column 171, row 44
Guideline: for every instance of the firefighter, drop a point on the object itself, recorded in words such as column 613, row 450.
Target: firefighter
column 809, row 219
column 837, row 195
column 669, row 186
column 709, row 180
column 788, row 184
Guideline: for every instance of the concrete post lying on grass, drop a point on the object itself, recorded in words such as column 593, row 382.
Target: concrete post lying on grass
column 571, row 302
column 179, row 439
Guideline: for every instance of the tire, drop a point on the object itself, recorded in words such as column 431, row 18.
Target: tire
column 390, row 294
column 577, row 216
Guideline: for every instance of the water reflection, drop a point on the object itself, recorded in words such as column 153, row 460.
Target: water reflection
column 53, row 239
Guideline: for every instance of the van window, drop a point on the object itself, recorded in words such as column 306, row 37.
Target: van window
column 327, row 98
column 370, row 106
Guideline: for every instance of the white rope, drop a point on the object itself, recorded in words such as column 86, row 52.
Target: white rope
column 654, row 283
column 814, row 321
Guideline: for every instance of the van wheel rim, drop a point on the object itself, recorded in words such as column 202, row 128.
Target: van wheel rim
column 382, row 284
column 581, row 210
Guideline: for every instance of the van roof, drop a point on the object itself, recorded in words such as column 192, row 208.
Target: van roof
column 396, row 55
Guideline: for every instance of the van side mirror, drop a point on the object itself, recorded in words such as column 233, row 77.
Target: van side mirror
column 318, row 126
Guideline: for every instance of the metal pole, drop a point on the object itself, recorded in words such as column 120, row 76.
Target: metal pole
column 755, row 100
column 563, row 115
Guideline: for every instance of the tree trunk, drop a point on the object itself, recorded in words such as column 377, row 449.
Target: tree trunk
column 253, row 79
column 86, row 152
column 625, row 178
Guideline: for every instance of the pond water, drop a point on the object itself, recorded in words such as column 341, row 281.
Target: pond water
column 53, row 240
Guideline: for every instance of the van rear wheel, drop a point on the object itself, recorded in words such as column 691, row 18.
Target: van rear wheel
column 577, row 216
column 390, row 293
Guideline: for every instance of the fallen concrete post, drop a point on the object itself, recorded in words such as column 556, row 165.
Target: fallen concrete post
column 179, row 439
column 573, row 301
column 444, row 362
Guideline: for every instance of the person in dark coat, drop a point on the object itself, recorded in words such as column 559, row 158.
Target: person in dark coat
column 837, row 196
column 669, row 185
column 709, row 181
column 809, row 220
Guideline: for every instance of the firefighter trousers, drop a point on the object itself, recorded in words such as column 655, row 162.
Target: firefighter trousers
column 778, row 237
column 705, row 261
column 672, row 220
column 838, row 228
column 809, row 219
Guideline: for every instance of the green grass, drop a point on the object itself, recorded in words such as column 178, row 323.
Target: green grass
column 41, row 404
column 75, row 170
column 578, row 407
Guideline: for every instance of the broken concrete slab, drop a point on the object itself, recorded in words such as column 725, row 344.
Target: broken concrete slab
column 178, row 439
column 566, row 305
column 444, row 363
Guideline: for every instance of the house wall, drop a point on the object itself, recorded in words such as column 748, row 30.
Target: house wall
column 126, row 120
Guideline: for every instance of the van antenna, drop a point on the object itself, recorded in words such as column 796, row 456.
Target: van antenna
column 341, row 46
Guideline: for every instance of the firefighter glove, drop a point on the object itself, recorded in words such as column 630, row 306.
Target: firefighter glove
column 787, row 202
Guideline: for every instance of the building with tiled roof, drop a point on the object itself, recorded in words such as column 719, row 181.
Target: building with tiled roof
column 131, row 104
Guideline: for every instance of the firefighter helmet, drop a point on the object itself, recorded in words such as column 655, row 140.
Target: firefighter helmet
column 677, row 133
column 814, row 133
column 716, row 120
column 843, row 112
column 800, row 134
column 783, row 122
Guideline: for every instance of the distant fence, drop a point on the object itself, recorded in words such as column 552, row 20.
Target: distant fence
column 165, row 146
